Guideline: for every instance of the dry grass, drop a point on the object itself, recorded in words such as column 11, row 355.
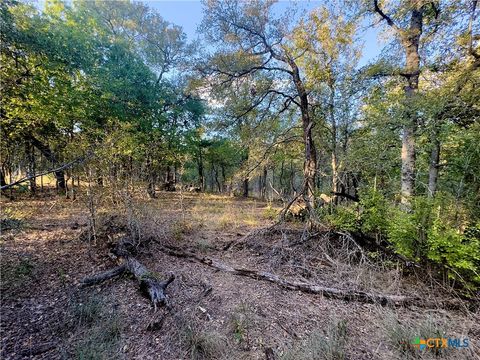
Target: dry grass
column 214, row 314
column 328, row 343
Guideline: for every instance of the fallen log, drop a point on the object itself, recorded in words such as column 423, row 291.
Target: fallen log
column 150, row 285
column 104, row 276
column 328, row 292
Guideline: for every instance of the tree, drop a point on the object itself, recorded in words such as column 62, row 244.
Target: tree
column 251, row 40
column 409, row 36
column 330, row 57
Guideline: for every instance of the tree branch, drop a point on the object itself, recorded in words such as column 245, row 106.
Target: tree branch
column 384, row 16
column 63, row 167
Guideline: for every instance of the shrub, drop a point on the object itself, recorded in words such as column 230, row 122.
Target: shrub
column 460, row 254
column 270, row 213
column 373, row 219
column 402, row 232
column 401, row 334
column 435, row 230
column 341, row 218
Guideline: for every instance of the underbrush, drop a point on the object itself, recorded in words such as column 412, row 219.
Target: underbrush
column 17, row 272
column 329, row 343
column 408, row 337
column 198, row 342
column 98, row 329
column 438, row 232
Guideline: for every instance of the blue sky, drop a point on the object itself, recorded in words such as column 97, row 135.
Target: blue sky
column 188, row 14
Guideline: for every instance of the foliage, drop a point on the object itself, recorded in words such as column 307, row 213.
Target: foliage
column 272, row 89
column 435, row 230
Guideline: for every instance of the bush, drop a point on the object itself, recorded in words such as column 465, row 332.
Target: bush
column 402, row 232
column 435, row 230
column 458, row 253
column 341, row 218
column 373, row 219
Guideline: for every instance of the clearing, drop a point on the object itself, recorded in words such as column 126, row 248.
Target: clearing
column 48, row 250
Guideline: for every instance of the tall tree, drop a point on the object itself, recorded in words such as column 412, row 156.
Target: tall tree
column 251, row 40
column 409, row 35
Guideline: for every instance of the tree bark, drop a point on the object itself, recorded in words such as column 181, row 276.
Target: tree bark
column 245, row 188
column 3, row 182
column 200, row 169
column 264, row 183
column 411, row 43
column 215, row 171
column 333, row 124
column 31, row 167
column 152, row 179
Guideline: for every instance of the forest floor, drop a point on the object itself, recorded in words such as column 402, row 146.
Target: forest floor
column 45, row 253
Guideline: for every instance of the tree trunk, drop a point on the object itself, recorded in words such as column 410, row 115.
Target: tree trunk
column 3, row 182
column 433, row 169
column 31, row 167
column 293, row 190
column 333, row 123
column 215, row 170
column 152, row 179
column 264, row 183
column 309, row 168
column 245, row 187
column 411, row 43
column 282, row 170
column 410, row 40
column 224, row 178
column 200, row 170
column 310, row 164
column 50, row 156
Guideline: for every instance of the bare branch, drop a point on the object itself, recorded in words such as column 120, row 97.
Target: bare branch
column 384, row 16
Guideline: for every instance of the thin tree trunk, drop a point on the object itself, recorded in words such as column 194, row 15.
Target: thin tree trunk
column 152, row 179
column 282, row 170
column 50, row 156
column 264, row 183
column 333, row 124
column 245, row 187
column 216, row 180
column 224, row 178
column 31, row 167
column 200, row 170
column 292, row 179
column 245, row 180
column 310, row 164
column 3, row 182
column 433, row 169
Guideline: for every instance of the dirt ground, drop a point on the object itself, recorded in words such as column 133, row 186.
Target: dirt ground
column 46, row 249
